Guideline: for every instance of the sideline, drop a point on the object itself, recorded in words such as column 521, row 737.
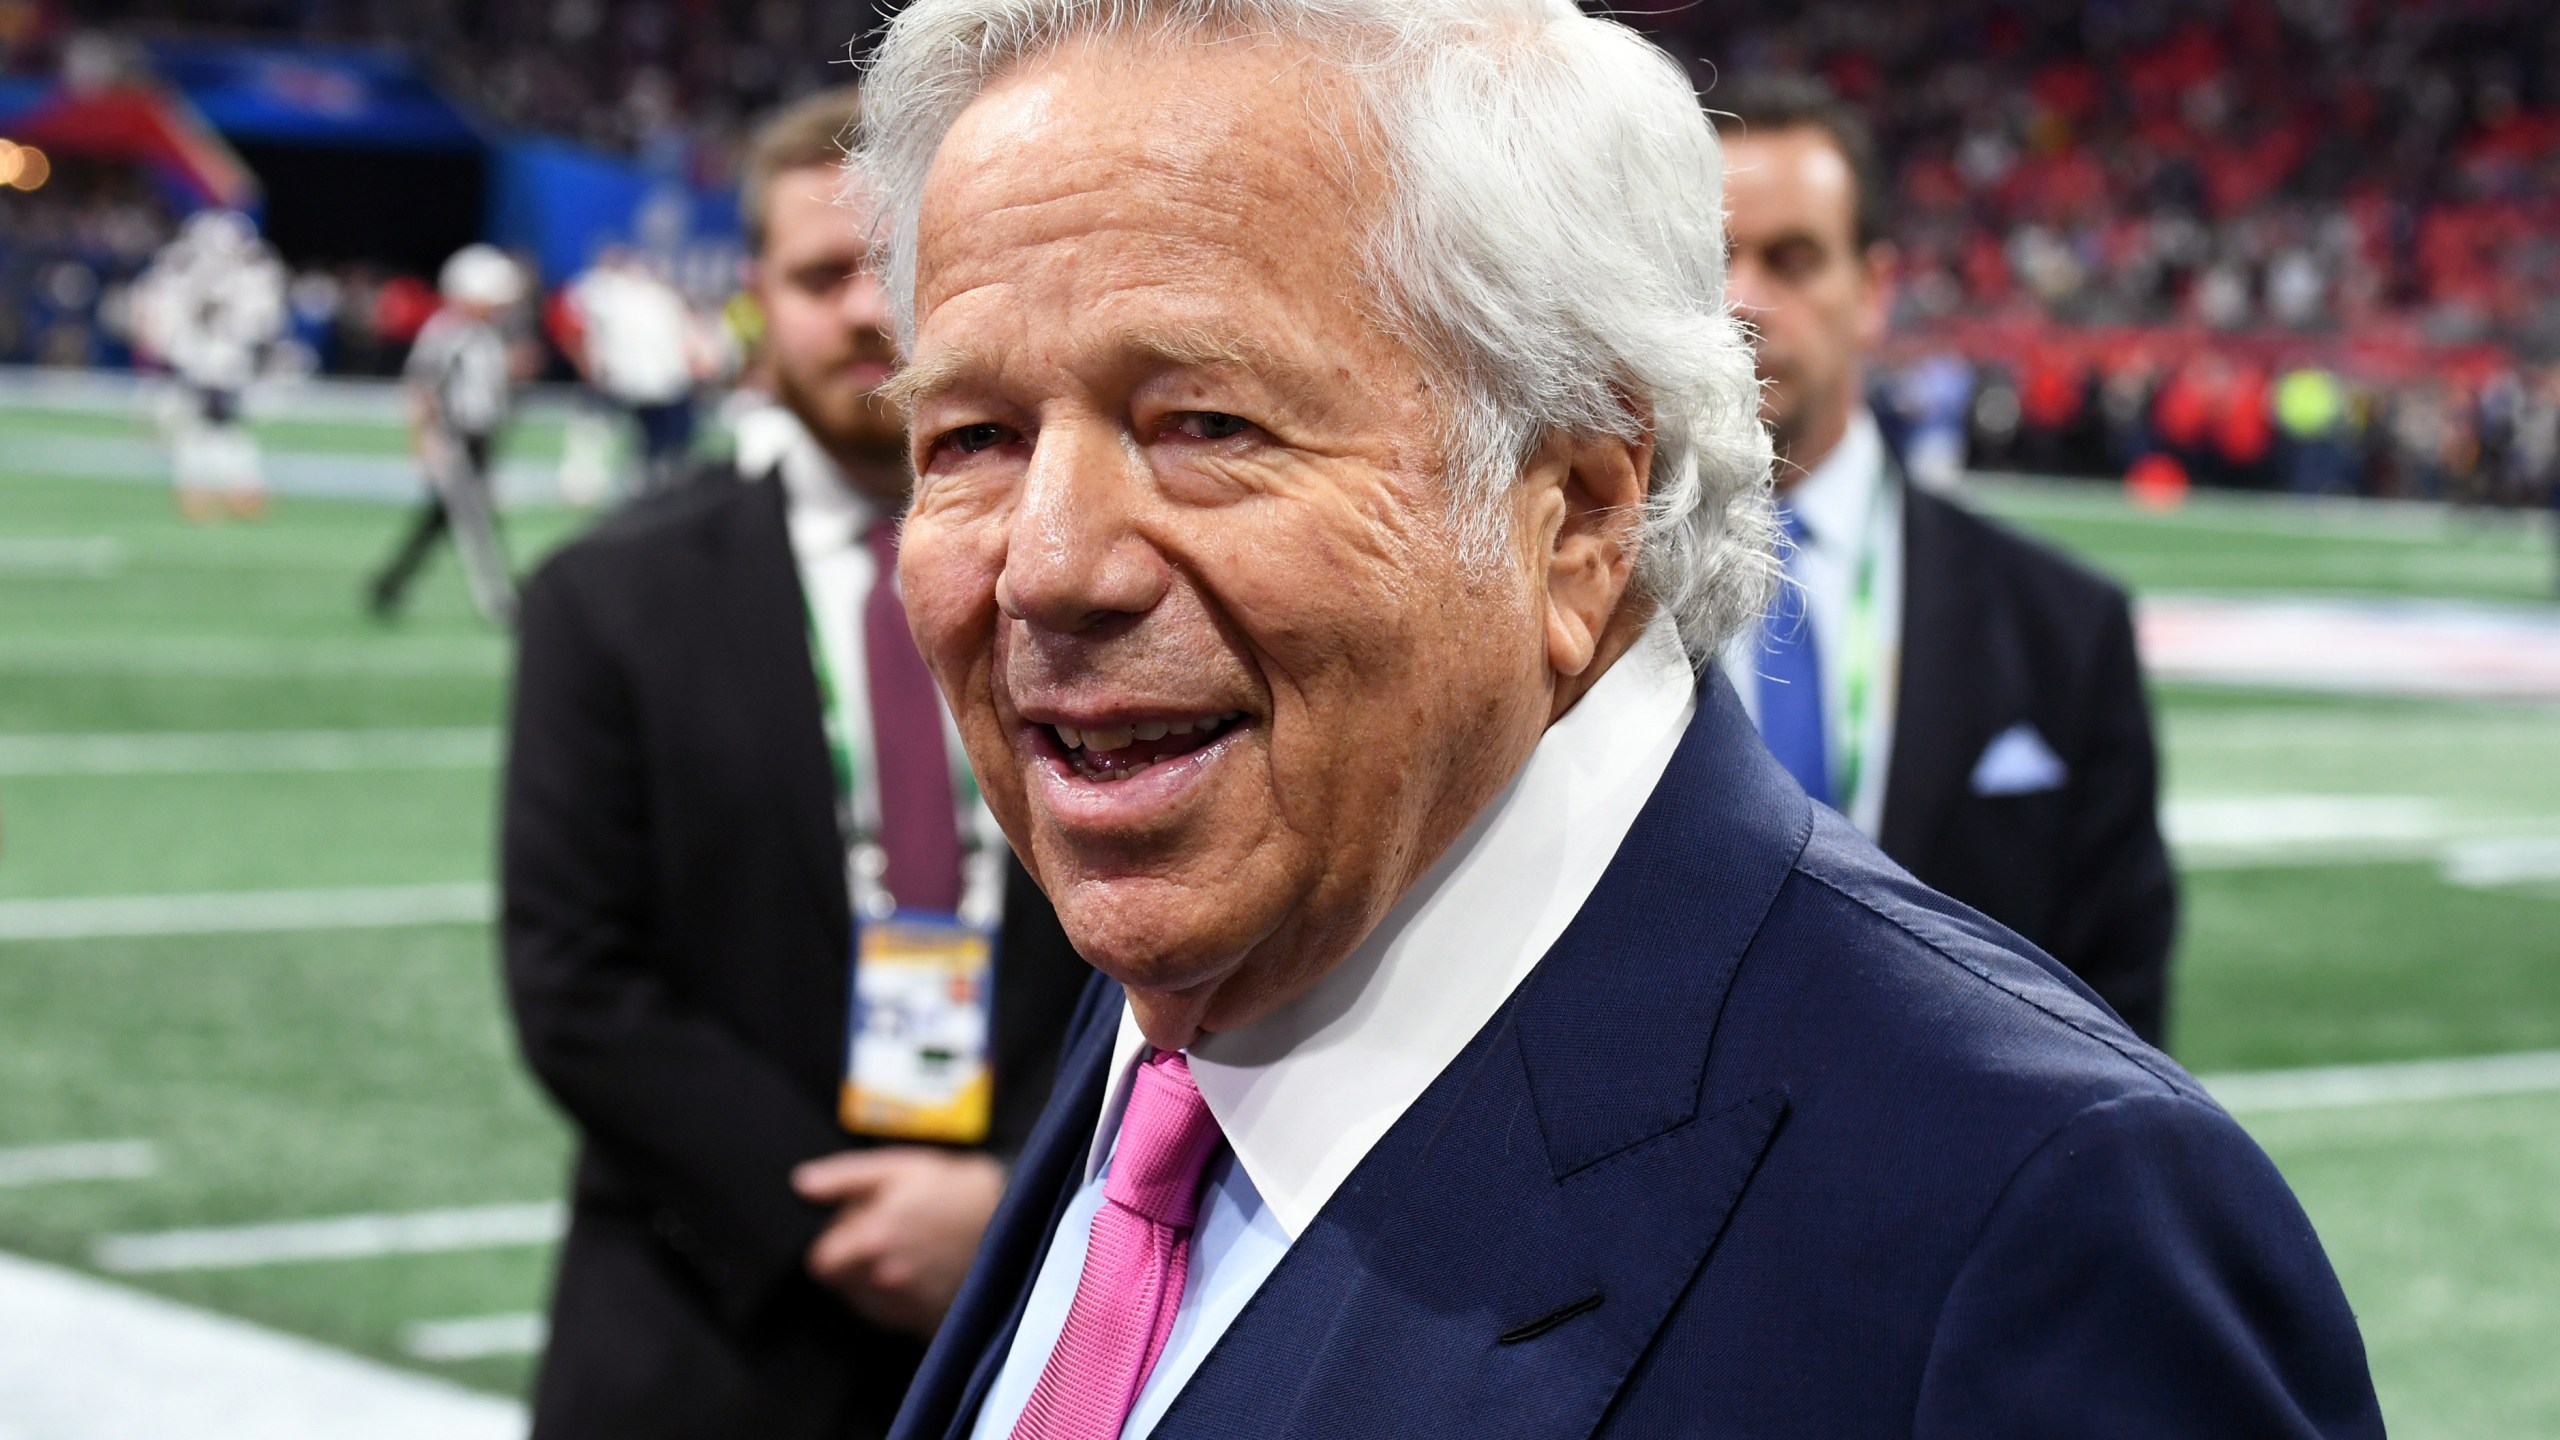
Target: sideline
column 337, row 1237
column 2403, row 1082
column 84, row 1359
column 373, row 907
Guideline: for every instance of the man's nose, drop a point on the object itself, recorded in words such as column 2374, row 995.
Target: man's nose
column 1746, row 285
column 866, row 302
column 1076, row 558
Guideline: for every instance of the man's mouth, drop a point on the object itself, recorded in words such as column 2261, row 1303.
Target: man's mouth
column 1110, row 753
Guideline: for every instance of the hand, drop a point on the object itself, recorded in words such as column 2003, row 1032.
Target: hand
column 906, row 1227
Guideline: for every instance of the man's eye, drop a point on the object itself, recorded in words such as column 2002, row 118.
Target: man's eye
column 970, row 439
column 1210, row 425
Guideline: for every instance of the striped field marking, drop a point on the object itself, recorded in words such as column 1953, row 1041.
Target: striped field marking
column 26, row 1165
column 249, row 752
column 337, row 1237
column 2341, row 1087
column 375, row 907
column 2491, row 864
column 87, row 557
column 86, row 1359
column 233, row 658
column 476, row 1337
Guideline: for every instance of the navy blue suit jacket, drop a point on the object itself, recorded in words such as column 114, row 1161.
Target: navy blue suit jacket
column 1775, row 1141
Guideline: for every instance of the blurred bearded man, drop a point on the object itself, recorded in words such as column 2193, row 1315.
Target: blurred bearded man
column 765, row 946
column 1333, row 456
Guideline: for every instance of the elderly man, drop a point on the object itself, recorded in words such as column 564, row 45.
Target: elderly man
column 1333, row 453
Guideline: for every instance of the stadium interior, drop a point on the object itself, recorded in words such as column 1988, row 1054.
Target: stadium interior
column 2255, row 307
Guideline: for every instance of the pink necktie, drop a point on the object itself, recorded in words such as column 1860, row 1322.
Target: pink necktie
column 919, row 832
column 1134, row 1266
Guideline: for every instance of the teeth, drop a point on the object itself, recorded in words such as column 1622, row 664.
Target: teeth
column 1104, row 740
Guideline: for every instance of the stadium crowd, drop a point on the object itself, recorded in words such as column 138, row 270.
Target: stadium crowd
column 2310, row 244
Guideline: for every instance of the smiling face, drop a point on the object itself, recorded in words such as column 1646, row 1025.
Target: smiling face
column 1181, row 553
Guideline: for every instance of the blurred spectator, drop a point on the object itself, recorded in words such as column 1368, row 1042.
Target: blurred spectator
column 1967, row 696
column 2311, row 420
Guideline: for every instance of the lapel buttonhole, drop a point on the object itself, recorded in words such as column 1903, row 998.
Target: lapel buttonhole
column 1550, row 1320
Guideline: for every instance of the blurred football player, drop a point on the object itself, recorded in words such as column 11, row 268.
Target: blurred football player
column 210, row 305
column 637, row 343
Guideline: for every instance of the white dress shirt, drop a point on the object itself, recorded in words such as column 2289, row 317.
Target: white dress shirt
column 1848, row 509
column 1305, row 1093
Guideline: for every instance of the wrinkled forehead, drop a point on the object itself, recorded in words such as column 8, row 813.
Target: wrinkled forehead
column 1248, row 149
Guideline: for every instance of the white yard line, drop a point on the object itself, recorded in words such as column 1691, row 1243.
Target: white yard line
column 60, row 557
column 2490, row 864
column 24, row 1165
column 248, row 752
column 84, row 1359
column 2337, row 1087
column 336, row 1237
column 371, row 907
column 476, row 1337
column 236, row 658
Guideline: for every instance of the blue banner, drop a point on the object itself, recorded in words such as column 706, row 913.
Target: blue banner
column 315, row 95
column 563, row 204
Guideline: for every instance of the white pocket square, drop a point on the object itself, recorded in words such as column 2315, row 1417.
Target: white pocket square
column 2018, row 762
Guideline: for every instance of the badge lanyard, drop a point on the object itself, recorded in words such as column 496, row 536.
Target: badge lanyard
column 866, row 863
column 1858, row 681
column 918, row 1028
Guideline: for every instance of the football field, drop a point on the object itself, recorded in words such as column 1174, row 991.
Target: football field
column 253, row 1058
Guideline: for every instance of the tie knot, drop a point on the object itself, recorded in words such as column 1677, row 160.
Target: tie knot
column 1166, row 1138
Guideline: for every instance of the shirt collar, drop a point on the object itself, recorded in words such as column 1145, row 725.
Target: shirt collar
column 826, row 512
column 1834, row 497
column 1304, row 1093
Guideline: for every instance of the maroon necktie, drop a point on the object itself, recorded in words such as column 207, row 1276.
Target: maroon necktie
column 918, row 828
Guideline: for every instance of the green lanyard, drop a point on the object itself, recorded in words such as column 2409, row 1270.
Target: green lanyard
column 1858, row 683
column 866, row 862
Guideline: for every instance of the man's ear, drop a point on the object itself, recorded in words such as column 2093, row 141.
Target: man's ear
column 1598, row 499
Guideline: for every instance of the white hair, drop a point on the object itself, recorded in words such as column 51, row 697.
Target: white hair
column 1552, row 243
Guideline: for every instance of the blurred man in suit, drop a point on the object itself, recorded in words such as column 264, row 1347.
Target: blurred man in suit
column 1967, row 697
column 729, row 772
column 1337, row 471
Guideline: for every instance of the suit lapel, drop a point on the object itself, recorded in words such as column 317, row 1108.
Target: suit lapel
column 761, row 622
column 970, row 1348
column 1938, row 713
column 1501, row 1261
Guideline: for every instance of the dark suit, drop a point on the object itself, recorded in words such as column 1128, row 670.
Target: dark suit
column 1773, row 1142
column 677, row 937
column 2000, row 631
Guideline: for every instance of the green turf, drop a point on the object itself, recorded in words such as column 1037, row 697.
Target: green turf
column 2233, row 543
column 2441, row 1223
column 537, row 440
column 296, row 1075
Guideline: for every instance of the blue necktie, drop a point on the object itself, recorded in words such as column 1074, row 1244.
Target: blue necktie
column 1791, row 678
